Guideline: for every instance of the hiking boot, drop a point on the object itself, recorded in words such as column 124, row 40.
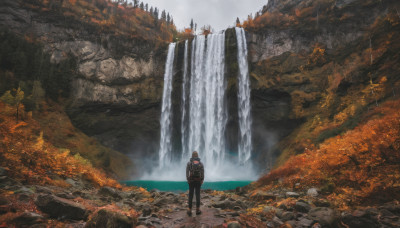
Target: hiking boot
column 189, row 212
column 198, row 211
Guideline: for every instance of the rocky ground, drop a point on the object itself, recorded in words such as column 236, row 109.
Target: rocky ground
column 82, row 205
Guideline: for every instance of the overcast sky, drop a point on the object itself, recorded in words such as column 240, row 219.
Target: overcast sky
column 220, row 14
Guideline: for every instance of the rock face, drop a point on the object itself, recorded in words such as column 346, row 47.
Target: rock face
column 61, row 208
column 116, row 92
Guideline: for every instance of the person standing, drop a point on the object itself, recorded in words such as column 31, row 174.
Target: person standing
column 195, row 178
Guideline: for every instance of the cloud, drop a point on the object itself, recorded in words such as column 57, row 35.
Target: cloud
column 220, row 14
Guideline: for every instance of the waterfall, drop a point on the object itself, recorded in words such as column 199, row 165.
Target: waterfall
column 245, row 144
column 208, row 116
column 166, row 111
column 204, row 111
column 185, row 152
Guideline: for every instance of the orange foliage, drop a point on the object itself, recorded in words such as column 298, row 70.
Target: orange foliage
column 108, row 16
column 29, row 158
column 361, row 164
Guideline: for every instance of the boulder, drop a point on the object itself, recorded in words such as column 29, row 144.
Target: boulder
column 105, row 219
column 305, row 222
column 226, row 204
column 60, row 208
column 302, row 207
column 287, row 216
column 324, row 216
column 28, row 219
column 359, row 219
column 234, row 224
column 3, row 171
column 292, row 195
column 261, row 195
column 312, row 192
column 108, row 191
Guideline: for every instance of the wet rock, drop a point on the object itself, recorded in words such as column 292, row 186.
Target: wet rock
column 312, row 192
column 292, row 195
column 269, row 209
column 66, row 195
column 28, row 219
column 321, row 203
column 302, row 207
column 393, row 207
column 146, row 211
column 234, row 224
column 305, row 222
column 106, row 219
column 324, row 216
column 359, row 219
column 41, row 189
column 3, row 171
column 261, row 195
column 286, row 216
column 108, row 191
column 61, row 208
column 141, row 226
column 226, row 204
column 24, row 198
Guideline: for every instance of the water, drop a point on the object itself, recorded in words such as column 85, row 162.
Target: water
column 245, row 145
column 207, row 120
column 166, row 114
column 185, row 150
column 204, row 113
column 182, row 186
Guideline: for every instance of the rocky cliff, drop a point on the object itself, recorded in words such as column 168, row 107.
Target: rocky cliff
column 116, row 91
column 316, row 66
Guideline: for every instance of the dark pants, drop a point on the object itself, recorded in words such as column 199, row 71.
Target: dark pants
column 194, row 186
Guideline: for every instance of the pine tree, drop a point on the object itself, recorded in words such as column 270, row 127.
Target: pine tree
column 147, row 7
column 142, row 6
column 237, row 22
column 191, row 24
column 168, row 18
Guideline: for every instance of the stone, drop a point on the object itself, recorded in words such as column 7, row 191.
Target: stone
column 108, row 191
column 359, row 220
column 41, row 189
column 286, row 216
column 24, row 198
column 141, row 226
column 305, row 222
column 66, row 195
column 312, row 192
column 292, row 195
column 302, row 207
column 28, row 219
column 234, row 224
column 261, row 195
column 3, row 171
column 321, row 203
column 324, row 216
column 105, row 219
column 269, row 209
column 60, row 208
column 223, row 204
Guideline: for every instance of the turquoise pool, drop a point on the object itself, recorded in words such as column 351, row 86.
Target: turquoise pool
column 182, row 186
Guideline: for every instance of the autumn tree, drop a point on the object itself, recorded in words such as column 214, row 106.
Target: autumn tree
column 16, row 100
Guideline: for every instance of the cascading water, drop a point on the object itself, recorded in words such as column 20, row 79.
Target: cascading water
column 166, row 114
column 204, row 112
column 185, row 152
column 245, row 145
column 208, row 116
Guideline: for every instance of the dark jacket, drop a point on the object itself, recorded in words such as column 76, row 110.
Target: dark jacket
column 188, row 177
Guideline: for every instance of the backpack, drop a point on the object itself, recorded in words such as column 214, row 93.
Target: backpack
column 195, row 170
